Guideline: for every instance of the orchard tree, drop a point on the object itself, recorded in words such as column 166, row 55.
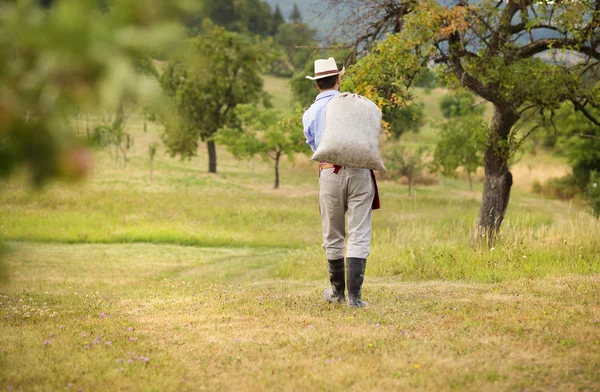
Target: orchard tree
column 402, row 162
column 461, row 144
column 223, row 71
column 264, row 132
column 523, row 57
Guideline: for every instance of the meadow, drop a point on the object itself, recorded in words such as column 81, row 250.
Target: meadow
column 194, row 281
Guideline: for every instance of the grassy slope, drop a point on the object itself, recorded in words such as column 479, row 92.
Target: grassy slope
column 241, row 308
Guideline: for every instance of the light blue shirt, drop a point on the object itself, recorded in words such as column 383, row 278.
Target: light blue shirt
column 314, row 118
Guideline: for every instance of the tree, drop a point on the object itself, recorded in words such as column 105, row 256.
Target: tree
column 264, row 132
column 277, row 18
column 295, row 15
column 240, row 16
column 461, row 144
column 152, row 147
column 291, row 35
column 402, row 162
column 223, row 71
column 502, row 51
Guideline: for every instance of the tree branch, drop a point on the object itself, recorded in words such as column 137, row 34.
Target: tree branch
column 581, row 108
column 589, row 136
column 545, row 44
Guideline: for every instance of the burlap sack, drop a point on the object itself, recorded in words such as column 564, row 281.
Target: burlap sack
column 351, row 135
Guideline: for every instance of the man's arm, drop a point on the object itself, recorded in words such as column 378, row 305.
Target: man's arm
column 309, row 124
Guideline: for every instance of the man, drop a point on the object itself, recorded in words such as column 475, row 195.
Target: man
column 342, row 192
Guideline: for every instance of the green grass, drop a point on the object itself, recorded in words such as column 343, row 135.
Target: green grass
column 217, row 280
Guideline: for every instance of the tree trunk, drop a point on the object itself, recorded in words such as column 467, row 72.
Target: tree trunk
column 212, row 157
column 470, row 180
column 498, row 179
column 145, row 127
column 409, row 186
column 87, row 126
column 277, row 156
column 150, row 170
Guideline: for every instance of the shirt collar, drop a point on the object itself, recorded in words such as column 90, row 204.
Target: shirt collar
column 326, row 94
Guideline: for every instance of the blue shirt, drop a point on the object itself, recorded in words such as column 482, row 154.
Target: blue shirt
column 314, row 118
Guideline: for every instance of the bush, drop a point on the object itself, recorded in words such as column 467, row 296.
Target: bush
column 564, row 188
column 592, row 192
column 537, row 187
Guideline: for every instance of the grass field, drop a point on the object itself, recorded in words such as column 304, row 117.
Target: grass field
column 213, row 282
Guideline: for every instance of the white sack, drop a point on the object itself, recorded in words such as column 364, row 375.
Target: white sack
column 351, row 135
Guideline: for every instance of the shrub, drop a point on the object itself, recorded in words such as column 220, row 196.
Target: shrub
column 564, row 188
column 537, row 187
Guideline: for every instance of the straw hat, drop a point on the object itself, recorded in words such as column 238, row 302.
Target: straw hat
column 325, row 68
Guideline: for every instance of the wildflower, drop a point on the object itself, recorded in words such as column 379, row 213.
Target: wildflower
column 101, row 315
column 61, row 327
column 132, row 339
column 416, row 366
column 130, row 329
column 87, row 347
column 145, row 359
column 108, row 343
column 47, row 342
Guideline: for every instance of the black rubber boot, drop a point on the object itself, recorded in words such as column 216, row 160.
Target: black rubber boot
column 355, row 273
column 338, row 285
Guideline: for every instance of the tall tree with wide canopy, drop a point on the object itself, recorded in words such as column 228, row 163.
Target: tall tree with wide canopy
column 223, row 70
column 523, row 57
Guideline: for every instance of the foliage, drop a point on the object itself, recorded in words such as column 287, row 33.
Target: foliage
column 409, row 118
column 222, row 71
column 402, row 162
column 69, row 56
column 251, row 17
column 264, row 132
column 461, row 144
column 583, row 154
column 460, row 104
column 593, row 192
column 296, row 16
column 291, row 35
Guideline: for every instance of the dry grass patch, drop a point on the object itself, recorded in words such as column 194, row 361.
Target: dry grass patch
column 178, row 323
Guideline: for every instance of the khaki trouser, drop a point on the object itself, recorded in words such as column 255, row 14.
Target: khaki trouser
column 349, row 192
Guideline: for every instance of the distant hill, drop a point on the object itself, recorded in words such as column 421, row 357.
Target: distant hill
column 311, row 14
